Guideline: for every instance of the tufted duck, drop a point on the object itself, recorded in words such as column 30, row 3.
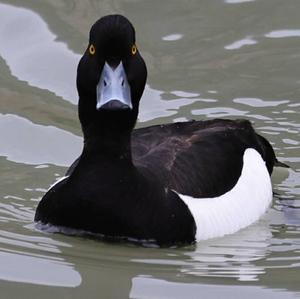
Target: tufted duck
column 172, row 183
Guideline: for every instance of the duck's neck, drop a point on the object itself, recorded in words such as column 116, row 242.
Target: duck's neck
column 110, row 145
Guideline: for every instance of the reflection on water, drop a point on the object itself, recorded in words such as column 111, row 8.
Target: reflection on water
column 233, row 256
column 283, row 33
column 172, row 37
column 241, row 43
column 146, row 287
column 38, row 143
column 26, row 35
column 201, row 65
column 237, row 1
column 216, row 112
column 259, row 102
column 37, row 270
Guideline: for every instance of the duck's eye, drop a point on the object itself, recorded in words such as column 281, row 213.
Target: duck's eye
column 92, row 49
column 133, row 50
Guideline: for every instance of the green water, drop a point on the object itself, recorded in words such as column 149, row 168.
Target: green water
column 206, row 59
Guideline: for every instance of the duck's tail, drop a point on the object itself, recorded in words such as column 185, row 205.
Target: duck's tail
column 268, row 154
column 280, row 164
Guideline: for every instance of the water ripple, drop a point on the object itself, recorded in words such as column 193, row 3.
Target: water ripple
column 54, row 64
column 38, row 142
column 238, row 1
column 255, row 102
column 219, row 112
column 283, row 33
column 241, row 43
column 14, row 267
column 172, row 37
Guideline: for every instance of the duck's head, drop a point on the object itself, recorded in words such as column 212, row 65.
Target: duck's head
column 111, row 76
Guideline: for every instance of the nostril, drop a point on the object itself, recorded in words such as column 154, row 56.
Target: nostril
column 104, row 83
column 123, row 82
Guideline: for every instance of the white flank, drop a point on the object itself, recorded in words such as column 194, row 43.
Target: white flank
column 239, row 207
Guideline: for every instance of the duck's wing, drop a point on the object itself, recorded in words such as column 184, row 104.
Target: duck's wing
column 198, row 158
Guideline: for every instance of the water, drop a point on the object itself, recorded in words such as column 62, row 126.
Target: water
column 206, row 59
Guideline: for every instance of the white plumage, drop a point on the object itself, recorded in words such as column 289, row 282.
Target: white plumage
column 244, row 204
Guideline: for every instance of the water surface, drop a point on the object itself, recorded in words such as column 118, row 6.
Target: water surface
column 206, row 59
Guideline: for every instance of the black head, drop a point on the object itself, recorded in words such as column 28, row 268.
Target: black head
column 111, row 77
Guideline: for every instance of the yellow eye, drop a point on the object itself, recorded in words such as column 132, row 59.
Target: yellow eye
column 92, row 49
column 133, row 49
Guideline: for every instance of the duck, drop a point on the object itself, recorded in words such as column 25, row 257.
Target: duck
column 175, row 183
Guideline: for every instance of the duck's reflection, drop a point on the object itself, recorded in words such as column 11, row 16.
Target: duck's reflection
column 232, row 256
